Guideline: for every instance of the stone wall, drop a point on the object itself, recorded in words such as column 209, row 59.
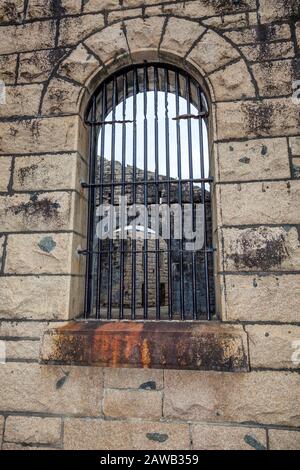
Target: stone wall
column 53, row 54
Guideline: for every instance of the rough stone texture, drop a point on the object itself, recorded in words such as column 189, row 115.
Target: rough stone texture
column 284, row 440
column 120, row 435
column 11, row 10
column 43, row 253
column 79, row 65
column 294, row 143
column 50, row 389
column 60, row 97
column 36, row 66
column 268, row 51
column 5, row 172
column 180, row 35
column 27, row 37
column 274, row 346
column 32, row 430
column 233, row 82
column 132, row 404
column 228, row 438
column 24, row 329
column 24, row 350
column 48, row 172
column 143, row 33
column 8, row 64
column 143, row 379
column 109, row 43
column 21, row 100
column 74, row 30
column 262, row 249
column 260, row 203
column 274, row 78
column 93, row 5
column 51, row 294
column 262, row 298
column 242, row 161
column 272, row 10
column 254, row 397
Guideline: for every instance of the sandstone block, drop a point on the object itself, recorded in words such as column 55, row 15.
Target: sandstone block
column 32, row 430
column 232, row 82
column 24, row 329
column 27, row 37
column 241, row 161
column 132, row 404
column 260, row 397
column 61, row 97
column 260, row 34
column 13, row 446
column 48, row 8
column 8, row 64
column 79, row 65
column 5, row 169
column 109, row 43
column 228, row 438
column 36, row 66
column 274, row 346
column 144, row 379
column 262, row 298
column 180, row 35
column 24, row 350
column 11, row 11
column 144, row 33
column 272, row 10
column 121, row 435
column 50, row 389
column 74, row 30
column 268, row 51
column 284, row 440
column 201, row 8
column 93, row 5
column 274, row 78
column 21, row 100
column 228, row 21
column 294, row 143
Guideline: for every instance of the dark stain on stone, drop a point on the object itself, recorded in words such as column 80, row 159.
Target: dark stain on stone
column 267, row 335
column 151, row 385
column 259, row 117
column 41, row 207
column 224, row 6
column 254, row 443
column 245, row 160
column 56, row 8
column 272, row 253
column 255, row 283
column 47, row 244
column 157, row 437
column 10, row 11
column 26, row 171
column 264, row 150
column 60, row 383
column 231, row 148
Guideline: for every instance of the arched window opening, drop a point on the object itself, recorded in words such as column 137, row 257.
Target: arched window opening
column 149, row 242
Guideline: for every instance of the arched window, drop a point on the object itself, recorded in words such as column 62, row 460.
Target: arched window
column 149, row 242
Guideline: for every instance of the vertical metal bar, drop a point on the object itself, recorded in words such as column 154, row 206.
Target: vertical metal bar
column 156, row 150
column 90, row 219
column 169, row 243
column 145, row 253
column 182, row 309
column 191, row 176
column 203, row 194
column 123, row 175
column 101, row 177
column 133, row 242
column 112, row 200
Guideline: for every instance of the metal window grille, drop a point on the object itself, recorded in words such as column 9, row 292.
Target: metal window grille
column 148, row 143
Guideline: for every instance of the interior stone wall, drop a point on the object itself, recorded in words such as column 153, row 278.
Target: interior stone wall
column 53, row 55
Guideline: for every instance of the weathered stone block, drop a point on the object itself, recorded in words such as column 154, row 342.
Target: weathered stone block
column 8, row 65
column 260, row 34
column 79, row 65
column 11, row 11
column 143, row 379
column 61, row 97
column 57, row 134
column 232, row 82
column 260, row 397
column 143, row 34
column 268, row 51
column 32, row 430
column 202, row 8
column 274, row 78
column 228, row 438
column 120, row 435
column 240, row 161
column 262, row 249
column 45, row 211
column 22, row 350
column 27, row 37
column 53, row 253
column 109, row 43
column 294, row 143
column 260, row 203
column 132, row 404
column 284, row 440
column 46, row 389
column 49, row 172
column 273, row 346
column 253, row 119
column 13, row 446
column 36, row 66
column 5, row 172
column 48, row 8
column 51, row 294
column 180, row 35
column 238, row 20
column 273, row 10
column 21, row 101
column 74, row 30
column 262, row 298
column 93, row 5
column 212, row 52
column 24, row 329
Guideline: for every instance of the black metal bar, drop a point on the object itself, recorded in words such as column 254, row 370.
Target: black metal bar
column 151, row 182
column 191, row 175
column 203, row 200
column 133, row 241
column 86, row 252
column 188, row 116
column 170, row 281
column 156, row 152
column 145, row 256
column 123, row 175
column 106, row 123
column 177, row 84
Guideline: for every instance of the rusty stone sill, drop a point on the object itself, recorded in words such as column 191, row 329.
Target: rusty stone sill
column 158, row 345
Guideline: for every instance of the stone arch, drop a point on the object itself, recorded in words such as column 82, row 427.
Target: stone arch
column 203, row 51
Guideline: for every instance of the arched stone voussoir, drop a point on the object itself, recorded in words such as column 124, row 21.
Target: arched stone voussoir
column 61, row 97
column 79, row 65
column 144, row 33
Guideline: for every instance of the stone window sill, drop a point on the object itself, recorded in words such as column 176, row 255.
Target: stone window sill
column 157, row 345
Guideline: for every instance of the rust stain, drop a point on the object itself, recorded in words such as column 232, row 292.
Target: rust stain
column 146, row 358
